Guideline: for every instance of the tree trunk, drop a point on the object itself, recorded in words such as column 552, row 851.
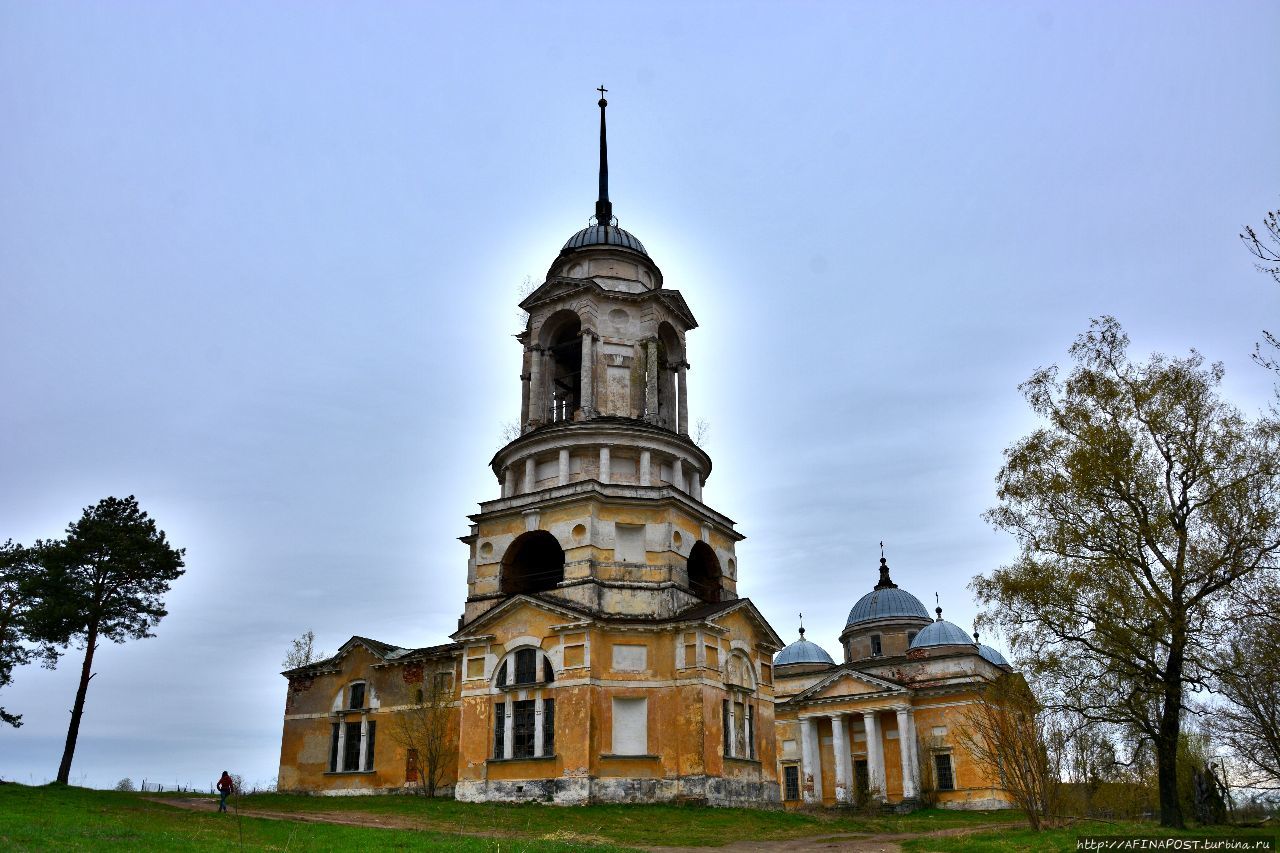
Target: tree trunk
column 1167, row 739
column 77, row 710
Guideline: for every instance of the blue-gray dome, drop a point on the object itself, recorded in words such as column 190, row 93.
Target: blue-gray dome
column 941, row 633
column 990, row 654
column 802, row 651
column 884, row 604
column 604, row 235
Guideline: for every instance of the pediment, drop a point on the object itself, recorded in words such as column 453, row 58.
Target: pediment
column 849, row 684
column 483, row 624
column 555, row 288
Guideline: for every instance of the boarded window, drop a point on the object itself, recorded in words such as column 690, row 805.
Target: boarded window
column 522, row 729
column 443, row 683
column 411, row 766
column 548, row 727
column 333, row 748
column 861, row 779
column 630, row 726
column 630, row 658
column 351, row 748
column 629, row 543
column 724, row 726
column 368, row 746
column 751, row 731
column 526, row 666
column 791, row 779
column 942, row 765
column 499, row 729
column 356, row 696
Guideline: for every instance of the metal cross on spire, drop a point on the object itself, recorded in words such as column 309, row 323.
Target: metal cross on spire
column 602, row 90
column 802, row 626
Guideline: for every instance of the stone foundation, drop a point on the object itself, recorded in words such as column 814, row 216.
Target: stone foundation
column 703, row 790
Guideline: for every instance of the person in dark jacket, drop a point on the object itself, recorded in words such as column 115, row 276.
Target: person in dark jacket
column 225, row 787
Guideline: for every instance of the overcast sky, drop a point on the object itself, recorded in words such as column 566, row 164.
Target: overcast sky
column 259, row 263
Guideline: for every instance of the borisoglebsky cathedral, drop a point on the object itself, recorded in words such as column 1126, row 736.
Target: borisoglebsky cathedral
column 603, row 653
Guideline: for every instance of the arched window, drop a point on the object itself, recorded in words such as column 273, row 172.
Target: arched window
column 670, row 357
column 562, row 339
column 353, row 735
column 739, row 708
column 533, row 562
column 524, row 708
column 704, row 572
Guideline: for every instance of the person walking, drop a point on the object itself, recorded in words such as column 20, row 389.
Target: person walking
column 225, row 787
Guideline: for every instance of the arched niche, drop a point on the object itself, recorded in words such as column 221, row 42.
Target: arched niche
column 561, row 338
column 532, row 563
column 670, row 356
column 704, row 572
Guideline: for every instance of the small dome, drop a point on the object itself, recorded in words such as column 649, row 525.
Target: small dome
column 941, row 633
column 886, row 603
column 802, row 651
column 604, row 235
column 990, row 654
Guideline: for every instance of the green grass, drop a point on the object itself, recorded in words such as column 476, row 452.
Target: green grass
column 665, row 825
column 1055, row 840
column 55, row 817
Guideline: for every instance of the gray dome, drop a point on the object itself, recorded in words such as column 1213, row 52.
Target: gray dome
column 802, row 651
column 884, row 604
column 990, row 654
column 604, row 235
column 941, row 633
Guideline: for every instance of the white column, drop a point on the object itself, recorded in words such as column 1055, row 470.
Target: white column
column 537, row 398
column 340, row 764
column 508, row 730
column 840, row 746
column 915, row 749
column 684, row 398
column 530, row 473
column 810, row 768
column 732, row 723
column 875, row 755
column 606, row 472
column 564, row 465
column 361, row 761
column 695, row 485
column 537, row 728
column 904, row 748
column 677, row 473
column 645, row 465
column 509, row 482
column 587, row 375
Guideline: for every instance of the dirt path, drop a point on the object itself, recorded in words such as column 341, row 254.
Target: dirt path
column 847, row 842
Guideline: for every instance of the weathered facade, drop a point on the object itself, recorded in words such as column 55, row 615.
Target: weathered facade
column 603, row 653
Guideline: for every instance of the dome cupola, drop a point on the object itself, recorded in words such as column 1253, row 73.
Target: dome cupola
column 803, row 652
column 941, row 633
column 886, row 601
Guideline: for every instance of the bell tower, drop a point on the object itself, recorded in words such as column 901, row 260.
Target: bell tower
column 600, row 500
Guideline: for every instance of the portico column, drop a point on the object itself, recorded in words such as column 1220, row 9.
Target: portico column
column 509, row 482
column 587, row 377
column 841, row 748
column 810, row 770
column 530, row 473
column 875, row 755
column 915, row 749
column 537, row 398
column 606, row 471
column 683, row 393
column 909, row 772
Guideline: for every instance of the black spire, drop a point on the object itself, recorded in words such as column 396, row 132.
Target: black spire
column 886, row 582
column 802, row 626
column 604, row 207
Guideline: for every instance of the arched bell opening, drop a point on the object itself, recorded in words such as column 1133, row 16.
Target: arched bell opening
column 534, row 562
column 704, row 572
column 562, row 341
column 670, row 357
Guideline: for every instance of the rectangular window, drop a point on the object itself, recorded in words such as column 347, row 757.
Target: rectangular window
column 875, row 645
column 526, row 666
column 499, row 729
column 791, row 780
column 333, row 748
column 630, row 726
column 357, row 696
column 351, row 748
column 942, row 764
column 548, row 727
column 751, row 732
column 368, row 745
column 522, row 729
column 443, row 684
column 724, row 725
column 861, row 779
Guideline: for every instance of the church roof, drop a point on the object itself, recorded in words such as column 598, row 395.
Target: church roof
column 991, row 655
column 886, row 601
column 802, row 651
column 604, row 235
column 941, row 633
